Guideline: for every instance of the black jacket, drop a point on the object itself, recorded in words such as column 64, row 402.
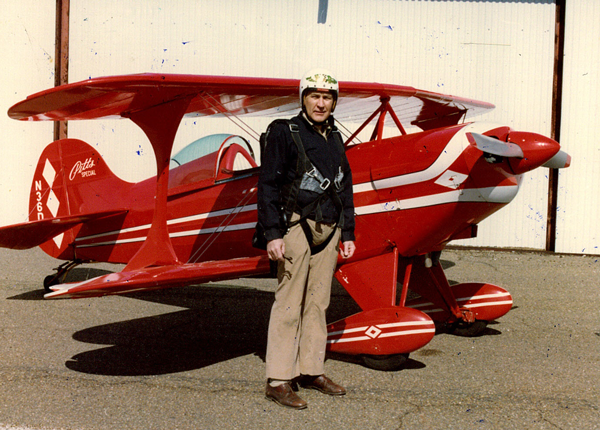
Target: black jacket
column 278, row 168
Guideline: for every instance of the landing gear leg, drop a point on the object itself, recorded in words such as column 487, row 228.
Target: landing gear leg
column 60, row 275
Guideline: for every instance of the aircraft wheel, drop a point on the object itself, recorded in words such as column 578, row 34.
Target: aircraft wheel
column 385, row 362
column 50, row 281
column 469, row 330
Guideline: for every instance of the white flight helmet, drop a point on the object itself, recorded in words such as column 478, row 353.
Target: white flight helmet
column 319, row 79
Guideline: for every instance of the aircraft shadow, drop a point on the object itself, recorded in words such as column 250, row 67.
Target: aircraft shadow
column 221, row 323
column 446, row 264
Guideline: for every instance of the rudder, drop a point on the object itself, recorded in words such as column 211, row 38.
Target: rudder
column 71, row 178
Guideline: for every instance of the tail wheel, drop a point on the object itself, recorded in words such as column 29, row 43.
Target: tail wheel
column 385, row 362
column 60, row 275
column 50, row 281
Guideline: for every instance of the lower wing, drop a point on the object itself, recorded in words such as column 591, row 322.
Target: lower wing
column 153, row 278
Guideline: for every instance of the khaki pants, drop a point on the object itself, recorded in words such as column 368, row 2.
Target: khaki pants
column 297, row 329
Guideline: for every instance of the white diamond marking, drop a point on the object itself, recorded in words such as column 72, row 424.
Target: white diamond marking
column 49, row 173
column 58, row 239
column 373, row 332
column 53, row 203
column 451, row 179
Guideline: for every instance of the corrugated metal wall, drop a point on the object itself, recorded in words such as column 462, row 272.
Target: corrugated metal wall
column 27, row 53
column 493, row 51
column 578, row 229
column 497, row 51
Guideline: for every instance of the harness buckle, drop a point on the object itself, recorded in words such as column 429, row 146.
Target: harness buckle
column 327, row 182
column 312, row 173
column 338, row 179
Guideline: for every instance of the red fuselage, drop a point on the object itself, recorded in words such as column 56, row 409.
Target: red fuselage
column 415, row 192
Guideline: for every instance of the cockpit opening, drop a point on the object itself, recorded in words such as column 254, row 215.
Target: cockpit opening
column 213, row 143
column 213, row 158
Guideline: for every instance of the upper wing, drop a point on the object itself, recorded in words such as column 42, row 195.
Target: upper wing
column 120, row 96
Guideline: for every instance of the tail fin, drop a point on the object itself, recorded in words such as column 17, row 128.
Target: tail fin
column 71, row 179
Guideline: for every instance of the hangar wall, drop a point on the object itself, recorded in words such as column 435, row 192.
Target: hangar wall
column 499, row 51
column 578, row 229
column 493, row 51
column 27, row 53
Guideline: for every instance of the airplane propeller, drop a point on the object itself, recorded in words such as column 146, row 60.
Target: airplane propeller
column 559, row 161
column 525, row 151
column 491, row 145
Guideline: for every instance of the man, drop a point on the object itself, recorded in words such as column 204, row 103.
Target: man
column 304, row 207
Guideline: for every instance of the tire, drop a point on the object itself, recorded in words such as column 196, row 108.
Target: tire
column 385, row 362
column 49, row 281
column 469, row 330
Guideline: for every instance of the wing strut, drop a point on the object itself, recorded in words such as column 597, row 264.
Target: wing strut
column 378, row 130
column 160, row 124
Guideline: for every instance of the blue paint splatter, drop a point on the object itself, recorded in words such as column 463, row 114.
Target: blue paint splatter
column 389, row 27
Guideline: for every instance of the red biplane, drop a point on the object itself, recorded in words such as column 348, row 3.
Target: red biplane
column 194, row 221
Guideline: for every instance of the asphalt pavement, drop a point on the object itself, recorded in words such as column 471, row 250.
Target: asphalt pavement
column 193, row 358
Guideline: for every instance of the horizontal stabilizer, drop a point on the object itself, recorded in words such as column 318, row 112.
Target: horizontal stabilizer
column 153, row 278
column 34, row 233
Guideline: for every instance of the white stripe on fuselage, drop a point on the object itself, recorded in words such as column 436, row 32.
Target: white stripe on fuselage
column 449, row 155
column 174, row 221
column 194, row 232
column 502, row 194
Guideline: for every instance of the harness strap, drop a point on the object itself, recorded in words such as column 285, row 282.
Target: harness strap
column 303, row 165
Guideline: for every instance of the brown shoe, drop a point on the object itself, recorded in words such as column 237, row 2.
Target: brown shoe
column 323, row 384
column 284, row 395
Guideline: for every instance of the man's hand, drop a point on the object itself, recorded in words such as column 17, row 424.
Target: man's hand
column 276, row 249
column 348, row 249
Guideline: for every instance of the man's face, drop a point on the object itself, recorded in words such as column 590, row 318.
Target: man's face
column 318, row 105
